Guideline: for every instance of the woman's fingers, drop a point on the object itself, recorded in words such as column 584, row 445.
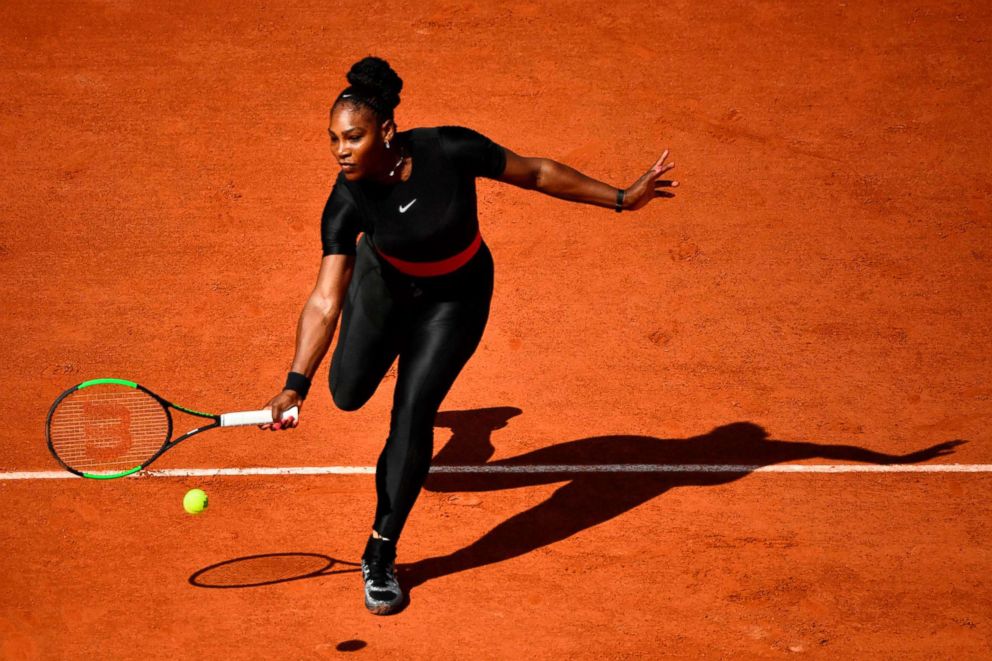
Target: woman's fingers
column 658, row 170
column 662, row 184
column 640, row 193
column 660, row 166
column 278, row 407
column 284, row 423
column 266, row 425
column 661, row 161
column 276, row 423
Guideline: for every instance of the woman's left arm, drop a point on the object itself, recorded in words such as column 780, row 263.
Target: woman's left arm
column 558, row 180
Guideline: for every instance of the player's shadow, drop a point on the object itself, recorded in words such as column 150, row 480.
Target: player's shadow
column 588, row 499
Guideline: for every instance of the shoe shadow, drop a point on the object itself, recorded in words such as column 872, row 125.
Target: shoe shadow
column 589, row 499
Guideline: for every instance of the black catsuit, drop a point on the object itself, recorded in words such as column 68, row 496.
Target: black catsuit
column 433, row 323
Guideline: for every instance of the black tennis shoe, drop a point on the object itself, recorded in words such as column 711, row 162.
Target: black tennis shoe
column 382, row 591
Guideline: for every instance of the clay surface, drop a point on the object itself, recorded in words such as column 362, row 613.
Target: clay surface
column 818, row 291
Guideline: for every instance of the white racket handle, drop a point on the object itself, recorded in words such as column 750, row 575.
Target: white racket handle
column 242, row 418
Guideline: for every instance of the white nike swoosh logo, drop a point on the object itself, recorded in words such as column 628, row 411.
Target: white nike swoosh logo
column 404, row 208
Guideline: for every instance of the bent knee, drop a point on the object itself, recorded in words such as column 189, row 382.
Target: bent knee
column 347, row 401
column 345, row 395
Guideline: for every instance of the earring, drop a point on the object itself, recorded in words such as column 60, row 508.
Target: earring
column 387, row 144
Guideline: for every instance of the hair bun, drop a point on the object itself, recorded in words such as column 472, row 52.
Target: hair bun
column 375, row 76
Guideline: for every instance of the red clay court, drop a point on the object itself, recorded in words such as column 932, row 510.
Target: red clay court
column 814, row 302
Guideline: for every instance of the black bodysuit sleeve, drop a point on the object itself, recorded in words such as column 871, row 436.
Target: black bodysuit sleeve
column 341, row 222
column 472, row 152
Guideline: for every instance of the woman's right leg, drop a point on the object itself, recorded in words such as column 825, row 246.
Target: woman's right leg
column 369, row 335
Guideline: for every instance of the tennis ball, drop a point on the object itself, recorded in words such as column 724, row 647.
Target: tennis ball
column 195, row 501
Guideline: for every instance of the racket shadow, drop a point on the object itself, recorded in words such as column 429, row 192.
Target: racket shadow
column 252, row 571
column 589, row 499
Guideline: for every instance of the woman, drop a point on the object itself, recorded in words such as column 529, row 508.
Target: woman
column 418, row 284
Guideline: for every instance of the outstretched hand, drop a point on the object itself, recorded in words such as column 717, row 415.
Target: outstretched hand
column 649, row 186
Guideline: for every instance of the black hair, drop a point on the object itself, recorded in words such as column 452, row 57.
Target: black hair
column 374, row 85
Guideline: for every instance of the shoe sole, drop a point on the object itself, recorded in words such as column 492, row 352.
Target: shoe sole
column 383, row 609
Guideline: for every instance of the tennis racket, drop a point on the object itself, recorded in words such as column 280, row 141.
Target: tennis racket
column 107, row 428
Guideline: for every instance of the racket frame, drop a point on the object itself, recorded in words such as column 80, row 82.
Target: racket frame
column 168, row 444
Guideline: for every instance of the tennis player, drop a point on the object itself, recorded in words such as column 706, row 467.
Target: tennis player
column 417, row 285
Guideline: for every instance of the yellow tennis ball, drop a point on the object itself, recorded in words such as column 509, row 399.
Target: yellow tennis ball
column 195, row 501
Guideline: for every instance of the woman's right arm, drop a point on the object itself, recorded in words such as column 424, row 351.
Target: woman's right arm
column 315, row 329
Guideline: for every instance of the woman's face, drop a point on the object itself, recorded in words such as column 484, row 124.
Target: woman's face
column 356, row 142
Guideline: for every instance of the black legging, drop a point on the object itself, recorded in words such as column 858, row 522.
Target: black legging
column 434, row 325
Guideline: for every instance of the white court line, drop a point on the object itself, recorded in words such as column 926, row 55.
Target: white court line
column 538, row 468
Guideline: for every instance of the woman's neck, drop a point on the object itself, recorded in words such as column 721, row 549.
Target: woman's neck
column 399, row 163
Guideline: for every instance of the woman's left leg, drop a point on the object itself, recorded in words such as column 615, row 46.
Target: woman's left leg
column 442, row 337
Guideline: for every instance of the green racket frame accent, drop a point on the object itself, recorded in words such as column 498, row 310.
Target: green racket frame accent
column 96, row 382
column 186, row 410
column 111, row 476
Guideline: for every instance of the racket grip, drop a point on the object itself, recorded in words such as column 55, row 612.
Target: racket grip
column 242, row 418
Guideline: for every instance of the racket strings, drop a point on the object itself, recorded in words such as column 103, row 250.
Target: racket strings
column 108, row 427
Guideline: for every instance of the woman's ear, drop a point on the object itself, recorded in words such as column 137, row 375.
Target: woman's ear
column 388, row 130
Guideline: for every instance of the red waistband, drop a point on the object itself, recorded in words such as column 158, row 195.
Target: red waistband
column 440, row 267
